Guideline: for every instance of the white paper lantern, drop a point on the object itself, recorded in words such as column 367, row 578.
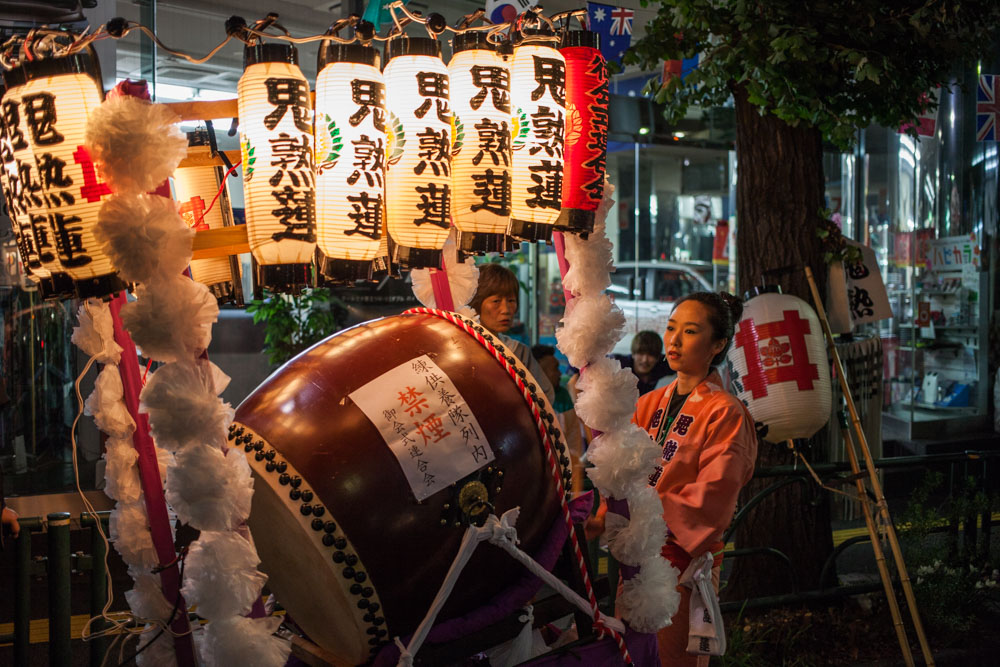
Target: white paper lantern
column 419, row 128
column 538, row 106
column 276, row 124
column 779, row 366
column 481, row 154
column 350, row 159
column 195, row 188
column 10, row 180
column 56, row 100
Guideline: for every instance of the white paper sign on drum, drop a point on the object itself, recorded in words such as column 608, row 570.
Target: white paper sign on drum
column 426, row 423
column 779, row 368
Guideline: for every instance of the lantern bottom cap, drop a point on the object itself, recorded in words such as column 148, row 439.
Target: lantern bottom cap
column 530, row 231
column 284, row 277
column 480, row 243
column 417, row 258
column 575, row 221
column 335, row 270
column 382, row 267
column 99, row 286
column 57, row 286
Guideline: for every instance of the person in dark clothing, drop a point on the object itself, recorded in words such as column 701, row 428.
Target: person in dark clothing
column 646, row 361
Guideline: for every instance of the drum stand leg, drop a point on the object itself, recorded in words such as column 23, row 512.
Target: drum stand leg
column 881, row 505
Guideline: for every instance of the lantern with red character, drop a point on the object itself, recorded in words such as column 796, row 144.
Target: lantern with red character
column 586, row 144
column 779, row 367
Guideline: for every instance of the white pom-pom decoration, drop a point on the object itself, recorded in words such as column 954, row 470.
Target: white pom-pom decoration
column 650, row 599
column 172, row 320
column 622, row 461
column 591, row 327
column 106, row 406
column 645, row 533
column 247, row 642
column 95, row 333
column 121, row 475
column 146, row 597
column 144, row 237
column 220, row 576
column 137, row 144
column 607, row 395
column 208, row 489
column 161, row 653
column 182, row 401
column 129, row 530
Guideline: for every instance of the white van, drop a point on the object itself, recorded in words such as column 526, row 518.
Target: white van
column 646, row 293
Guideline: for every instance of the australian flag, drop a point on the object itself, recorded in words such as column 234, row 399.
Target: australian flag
column 614, row 25
column 987, row 107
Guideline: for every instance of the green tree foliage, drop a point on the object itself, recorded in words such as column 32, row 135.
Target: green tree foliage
column 836, row 65
column 293, row 323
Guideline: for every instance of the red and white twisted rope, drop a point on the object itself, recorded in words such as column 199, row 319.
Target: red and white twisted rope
column 554, row 466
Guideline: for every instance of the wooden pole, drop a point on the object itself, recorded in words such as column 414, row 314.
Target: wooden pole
column 883, row 567
column 883, row 507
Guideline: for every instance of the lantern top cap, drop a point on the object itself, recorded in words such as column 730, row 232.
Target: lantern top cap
column 757, row 290
column 360, row 54
column 585, row 38
column 472, row 40
column 82, row 62
column 412, row 46
column 270, row 53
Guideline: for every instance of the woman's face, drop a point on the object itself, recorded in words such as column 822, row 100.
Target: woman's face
column 688, row 339
column 497, row 312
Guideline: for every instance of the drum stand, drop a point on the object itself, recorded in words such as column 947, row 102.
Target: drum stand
column 881, row 506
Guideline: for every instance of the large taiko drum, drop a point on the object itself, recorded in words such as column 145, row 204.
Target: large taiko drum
column 353, row 537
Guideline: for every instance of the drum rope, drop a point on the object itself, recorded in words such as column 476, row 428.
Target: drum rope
column 554, row 467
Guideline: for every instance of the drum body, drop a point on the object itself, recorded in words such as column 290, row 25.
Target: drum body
column 348, row 550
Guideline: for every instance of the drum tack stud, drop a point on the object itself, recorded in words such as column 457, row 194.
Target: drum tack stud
column 340, row 543
column 294, row 494
column 444, row 522
column 259, row 445
column 352, row 560
column 356, row 589
column 319, row 510
column 307, row 495
column 317, row 524
column 284, row 479
column 338, row 556
column 270, row 466
column 348, row 573
column 328, row 542
column 282, row 467
column 329, row 526
column 363, row 604
column 296, row 482
column 360, row 577
column 306, row 510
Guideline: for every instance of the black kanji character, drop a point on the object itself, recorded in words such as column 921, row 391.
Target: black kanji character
column 494, row 141
column 547, row 190
column 285, row 93
column 366, row 214
column 297, row 212
column 40, row 114
column 69, row 239
column 433, row 85
column 550, row 73
column 434, row 150
column 494, row 80
column 495, row 191
column 370, row 98
column 548, row 130
column 435, row 203
column 369, row 159
column 51, row 169
column 12, row 125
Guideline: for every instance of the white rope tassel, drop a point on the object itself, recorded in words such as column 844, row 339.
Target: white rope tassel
column 503, row 534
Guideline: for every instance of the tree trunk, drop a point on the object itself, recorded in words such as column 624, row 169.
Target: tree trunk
column 779, row 195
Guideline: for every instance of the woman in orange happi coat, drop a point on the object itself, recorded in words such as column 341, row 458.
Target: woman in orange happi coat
column 709, row 447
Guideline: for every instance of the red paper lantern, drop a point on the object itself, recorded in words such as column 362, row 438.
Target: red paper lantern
column 586, row 145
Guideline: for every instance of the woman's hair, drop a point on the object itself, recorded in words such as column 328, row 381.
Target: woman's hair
column 647, row 342
column 494, row 279
column 724, row 311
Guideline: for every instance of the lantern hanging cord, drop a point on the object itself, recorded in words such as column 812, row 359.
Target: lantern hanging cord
column 219, row 193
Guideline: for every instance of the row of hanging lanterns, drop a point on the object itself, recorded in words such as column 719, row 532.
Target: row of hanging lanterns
column 505, row 142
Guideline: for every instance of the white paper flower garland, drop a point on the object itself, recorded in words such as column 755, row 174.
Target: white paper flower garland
column 623, row 455
column 137, row 145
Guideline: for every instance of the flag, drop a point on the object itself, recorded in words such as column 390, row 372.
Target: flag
column 987, row 107
column 614, row 25
column 504, row 11
column 926, row 124
column 678, row 68
column 377, row 12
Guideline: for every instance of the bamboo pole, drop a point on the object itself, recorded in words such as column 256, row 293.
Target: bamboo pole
column 883, row 507
column 883, row 567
